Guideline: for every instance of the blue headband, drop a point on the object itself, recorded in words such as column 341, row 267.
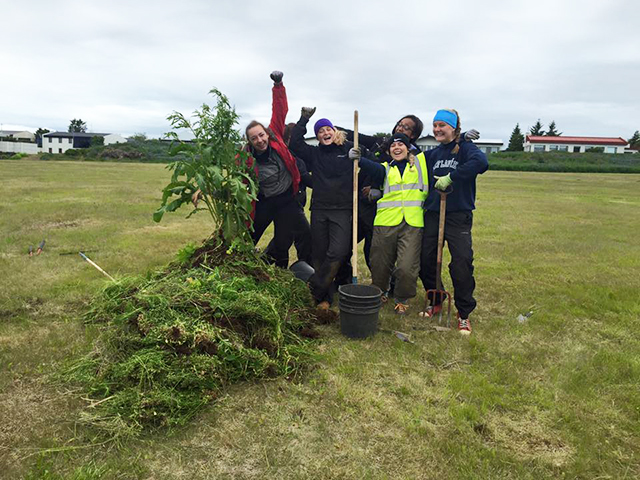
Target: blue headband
column 447, row 117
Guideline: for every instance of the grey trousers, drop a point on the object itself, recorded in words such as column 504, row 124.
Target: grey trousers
column 396, row 250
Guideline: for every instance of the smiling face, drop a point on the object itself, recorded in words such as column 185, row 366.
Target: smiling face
column 398, row 151
column 325, row 135
column 406, row 126
column 258, row 138
column 443, row 132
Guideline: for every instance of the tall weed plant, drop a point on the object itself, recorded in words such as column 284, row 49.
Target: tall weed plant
column 211, row 170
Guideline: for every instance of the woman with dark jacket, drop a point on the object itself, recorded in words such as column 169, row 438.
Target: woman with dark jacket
column 331, row 203
column 452, row 164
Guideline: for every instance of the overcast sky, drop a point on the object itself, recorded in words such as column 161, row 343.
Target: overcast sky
column 123, row 66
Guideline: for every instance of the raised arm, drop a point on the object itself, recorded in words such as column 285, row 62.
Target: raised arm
column 297, row 145
column 279, row 104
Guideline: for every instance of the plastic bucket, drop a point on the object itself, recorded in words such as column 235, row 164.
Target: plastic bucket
column 302, row 270
column 359, row 309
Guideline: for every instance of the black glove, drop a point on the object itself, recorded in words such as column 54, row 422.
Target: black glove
column 276, row 76
column 307, row 112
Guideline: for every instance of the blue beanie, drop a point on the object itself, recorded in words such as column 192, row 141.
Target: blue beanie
column 323, row 122
column 447, row 117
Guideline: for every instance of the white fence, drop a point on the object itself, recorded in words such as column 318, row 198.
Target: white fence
column 19, row 147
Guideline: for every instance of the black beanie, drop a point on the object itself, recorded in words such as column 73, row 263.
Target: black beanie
column 399, row 137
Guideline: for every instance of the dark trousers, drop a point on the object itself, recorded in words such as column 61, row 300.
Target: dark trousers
column 457, row 234
column 301, row 240
column 287, row 217
column 331, row 239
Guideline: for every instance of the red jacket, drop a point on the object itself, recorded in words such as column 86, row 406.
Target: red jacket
column 280, row 107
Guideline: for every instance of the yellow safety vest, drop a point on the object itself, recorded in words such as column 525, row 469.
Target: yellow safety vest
column 403, row 195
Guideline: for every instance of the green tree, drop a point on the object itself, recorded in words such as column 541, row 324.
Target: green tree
column 553, row 132
column 634, row 141
column 77, row 126
column 212, row 169
column 97, row 141
column 40, row 132
column 516, row 142
column 537, row 129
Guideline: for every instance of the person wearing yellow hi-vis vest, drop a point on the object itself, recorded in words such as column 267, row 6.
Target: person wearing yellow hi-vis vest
column 397, row 228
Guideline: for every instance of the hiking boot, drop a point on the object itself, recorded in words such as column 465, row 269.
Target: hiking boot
column 323, row 305
column 401, row 308
column 464, row 325
column 431, row 311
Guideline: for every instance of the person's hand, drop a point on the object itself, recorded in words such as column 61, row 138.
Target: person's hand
column 307, row 112
column 472, row 135
column 442, row 183
column 276, row 76
column 374, row 195
column 366, row 190
column 354, row 154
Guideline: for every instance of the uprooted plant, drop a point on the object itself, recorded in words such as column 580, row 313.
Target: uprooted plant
column 211, row 170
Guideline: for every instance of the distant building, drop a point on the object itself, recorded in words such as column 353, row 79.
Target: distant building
column 17, row 135
column 60, row 142
column 428, row 142
column 534, row 143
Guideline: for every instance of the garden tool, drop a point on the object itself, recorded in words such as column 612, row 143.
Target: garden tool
column 433, row 295
column 354, row 227
column 93, row 264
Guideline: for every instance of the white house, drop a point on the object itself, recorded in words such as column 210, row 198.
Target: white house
column 18, row 135
column 428, row 142
column 60, row 142
column 535, row 143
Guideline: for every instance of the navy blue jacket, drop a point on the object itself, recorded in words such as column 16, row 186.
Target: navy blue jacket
column 464, row 167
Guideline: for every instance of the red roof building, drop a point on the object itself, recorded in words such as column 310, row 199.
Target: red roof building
column 534, row 143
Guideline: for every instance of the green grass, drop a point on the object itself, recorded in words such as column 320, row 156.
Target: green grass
column 554, row 397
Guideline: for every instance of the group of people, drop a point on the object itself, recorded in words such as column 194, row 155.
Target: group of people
column 398, row 202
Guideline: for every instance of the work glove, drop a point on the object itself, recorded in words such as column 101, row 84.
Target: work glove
column 471, row 135
column 354, row 154
column 374, row 195
column 307, row 112
column 276, row 76
column 442, row 183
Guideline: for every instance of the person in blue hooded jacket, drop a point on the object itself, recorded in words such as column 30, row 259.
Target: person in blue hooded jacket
column 453, row 164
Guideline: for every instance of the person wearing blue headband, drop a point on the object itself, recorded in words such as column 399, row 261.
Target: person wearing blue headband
column 453, row 164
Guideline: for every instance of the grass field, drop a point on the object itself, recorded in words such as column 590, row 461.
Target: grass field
column 554, row 397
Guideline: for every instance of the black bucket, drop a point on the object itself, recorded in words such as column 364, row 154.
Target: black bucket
column 302, row 270
column 359, row 308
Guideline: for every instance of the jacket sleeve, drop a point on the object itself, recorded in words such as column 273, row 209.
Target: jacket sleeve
column 475, row 163
column 365, row 140
column 374, row 170
column 298, row 146
column 305, row 177
column 279, row 109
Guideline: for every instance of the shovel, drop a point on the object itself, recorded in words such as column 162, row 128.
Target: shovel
column 433, row 295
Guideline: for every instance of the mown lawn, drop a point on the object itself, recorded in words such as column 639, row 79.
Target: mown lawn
column 554, row 397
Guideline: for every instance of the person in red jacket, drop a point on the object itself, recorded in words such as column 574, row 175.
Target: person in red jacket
column 278, row 178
